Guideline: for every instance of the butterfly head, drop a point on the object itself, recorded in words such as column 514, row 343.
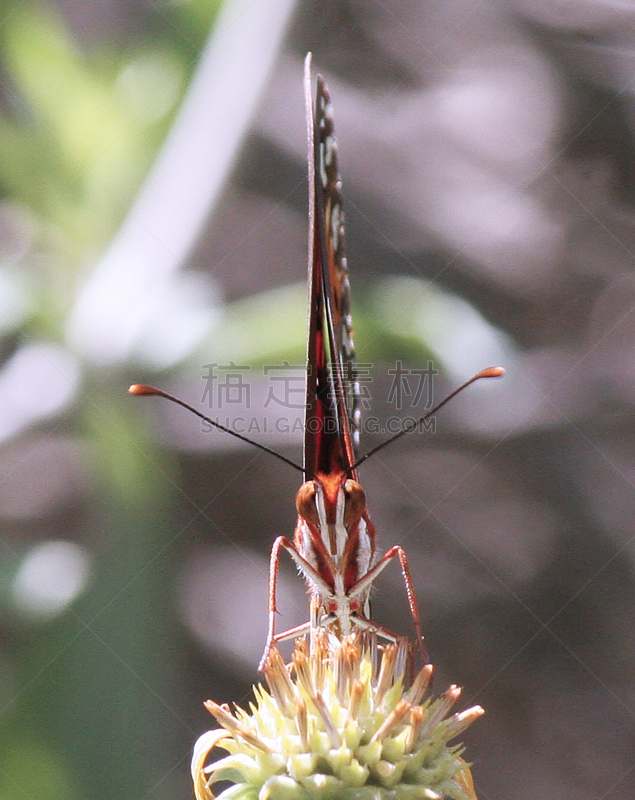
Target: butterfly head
column 331, row 500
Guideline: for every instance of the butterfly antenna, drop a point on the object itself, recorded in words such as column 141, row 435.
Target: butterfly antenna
column 140, row 390
column 490, row 372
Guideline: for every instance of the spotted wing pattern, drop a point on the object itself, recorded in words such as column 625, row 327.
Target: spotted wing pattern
column 333, row 408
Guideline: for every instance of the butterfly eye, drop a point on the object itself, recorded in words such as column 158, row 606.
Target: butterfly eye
column 354, row 503
column 305, row 502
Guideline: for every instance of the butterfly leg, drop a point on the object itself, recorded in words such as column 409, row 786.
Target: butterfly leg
column 404, row 644
column 364, row 583
column 311, row 575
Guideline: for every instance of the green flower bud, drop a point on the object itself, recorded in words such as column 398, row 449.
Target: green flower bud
column 333, row 726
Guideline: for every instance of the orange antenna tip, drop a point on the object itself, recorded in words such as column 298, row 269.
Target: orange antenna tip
column 492, row 372
column 139, row 389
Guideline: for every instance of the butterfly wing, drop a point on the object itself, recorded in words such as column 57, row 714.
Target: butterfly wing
column 332, row 407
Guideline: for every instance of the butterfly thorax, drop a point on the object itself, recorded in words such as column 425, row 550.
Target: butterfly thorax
column 335, row 535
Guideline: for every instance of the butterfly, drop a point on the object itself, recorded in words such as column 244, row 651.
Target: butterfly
column 333, row 545
column 334, row 541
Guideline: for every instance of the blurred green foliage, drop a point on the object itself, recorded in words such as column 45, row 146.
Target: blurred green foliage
column 85, row 712
column 81, row 125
